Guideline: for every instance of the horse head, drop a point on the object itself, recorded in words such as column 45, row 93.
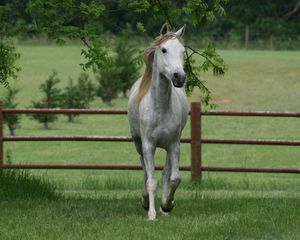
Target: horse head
column 170, row 56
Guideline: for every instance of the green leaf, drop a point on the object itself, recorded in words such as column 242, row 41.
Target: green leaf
column 140, row 27
column 8, row 58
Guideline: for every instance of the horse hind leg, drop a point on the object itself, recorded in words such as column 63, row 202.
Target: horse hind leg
column 168, row 204
column 173, row 157
column 145, row 195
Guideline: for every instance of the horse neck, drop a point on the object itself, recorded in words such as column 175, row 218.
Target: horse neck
column 161, row 89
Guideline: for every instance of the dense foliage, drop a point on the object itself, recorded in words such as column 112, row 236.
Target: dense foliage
column 8, row 58
column 77, row 18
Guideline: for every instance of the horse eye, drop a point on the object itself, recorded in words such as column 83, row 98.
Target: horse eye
column 164, row 50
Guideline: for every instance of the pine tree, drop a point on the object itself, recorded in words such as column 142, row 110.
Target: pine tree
column 78, row 95
column 51, row 99
column 87, row 89
column 11, row 120
column 128, row 61
column 71, row 98
column 121, row 71
column 109, row 82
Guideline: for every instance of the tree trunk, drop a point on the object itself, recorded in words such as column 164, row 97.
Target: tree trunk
column 247, row 30
column 108, row 102
column 71, row 118
column 271, row 39
column 45, row 124
column 124, row 93
column 11, row 131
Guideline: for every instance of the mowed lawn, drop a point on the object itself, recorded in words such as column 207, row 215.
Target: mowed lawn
column 106, row 204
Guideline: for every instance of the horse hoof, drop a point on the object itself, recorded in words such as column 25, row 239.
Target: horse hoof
column 163, row 213
column 152, row 219
column 151, row 215
column 168, row 208
column 145, row 202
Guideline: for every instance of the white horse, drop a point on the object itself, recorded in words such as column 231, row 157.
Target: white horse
column 157, row 113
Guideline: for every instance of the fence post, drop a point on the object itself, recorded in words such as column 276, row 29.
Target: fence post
column 1, row 135
column 196, row 157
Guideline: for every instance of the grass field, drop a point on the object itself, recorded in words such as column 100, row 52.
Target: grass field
column 106, row 204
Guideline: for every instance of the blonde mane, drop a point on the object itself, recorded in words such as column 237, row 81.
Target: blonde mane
column 148, row 58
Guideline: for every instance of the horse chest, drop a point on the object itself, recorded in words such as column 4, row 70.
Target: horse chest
column 165, row 129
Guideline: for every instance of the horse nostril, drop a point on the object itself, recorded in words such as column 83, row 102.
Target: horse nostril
column 176, row 75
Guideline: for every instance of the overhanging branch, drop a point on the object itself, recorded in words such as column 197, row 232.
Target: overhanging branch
column 194, row 51
column 83, row 39
column 293, row 11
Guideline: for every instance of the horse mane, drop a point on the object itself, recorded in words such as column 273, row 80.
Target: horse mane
column 148, row 59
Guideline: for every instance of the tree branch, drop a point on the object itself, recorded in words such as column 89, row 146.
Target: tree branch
column 83, row 39
column 290, row 13
column 193, row 74
column 204, row 56
column 165, row 12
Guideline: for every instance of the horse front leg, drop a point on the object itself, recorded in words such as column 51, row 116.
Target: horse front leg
column 173, row 155
column 148, row 157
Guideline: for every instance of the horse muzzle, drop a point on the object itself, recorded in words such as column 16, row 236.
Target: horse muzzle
column 178, row 79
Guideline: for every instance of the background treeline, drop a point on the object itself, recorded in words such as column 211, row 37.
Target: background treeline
column 256, row 23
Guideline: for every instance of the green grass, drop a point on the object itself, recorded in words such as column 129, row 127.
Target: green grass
column 258, row 80
column 216, row 209
column 208, row 215
column 100, row 204
column 22, row 185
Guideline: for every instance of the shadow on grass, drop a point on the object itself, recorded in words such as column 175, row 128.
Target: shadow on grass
column 111, row 183
column 20, row 184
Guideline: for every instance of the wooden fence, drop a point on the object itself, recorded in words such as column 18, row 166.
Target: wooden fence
column 196, row 141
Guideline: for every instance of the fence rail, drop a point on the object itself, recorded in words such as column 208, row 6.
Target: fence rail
column 64, row 111
column 251, row 113
column 75, row 138
column 196, row 141
column 124, row 112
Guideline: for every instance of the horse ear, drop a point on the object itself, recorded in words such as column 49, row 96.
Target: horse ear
column 181, row 31
column 164, row 29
